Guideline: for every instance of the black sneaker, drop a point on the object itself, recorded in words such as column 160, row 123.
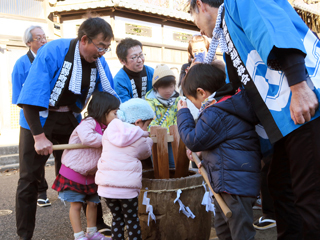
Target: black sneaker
column 264, row 223
column 104, row 229
column 43, row 203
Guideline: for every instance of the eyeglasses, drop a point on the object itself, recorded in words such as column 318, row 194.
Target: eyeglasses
column 100, row 49
column 141, row 56
column 39, row 39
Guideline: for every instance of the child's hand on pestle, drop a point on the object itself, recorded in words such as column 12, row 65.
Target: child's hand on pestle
column 189, row 155
column 182, row 104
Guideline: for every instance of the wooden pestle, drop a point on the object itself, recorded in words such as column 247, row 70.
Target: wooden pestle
column 217, row 196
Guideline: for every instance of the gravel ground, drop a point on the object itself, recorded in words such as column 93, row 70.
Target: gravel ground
column 52, row 223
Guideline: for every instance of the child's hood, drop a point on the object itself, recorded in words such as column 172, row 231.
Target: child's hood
column 150, row 95
column 123, row 134
column 239, row 105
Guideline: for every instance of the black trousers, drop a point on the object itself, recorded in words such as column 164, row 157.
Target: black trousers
column 294, row 183
column 239, row 226
column 58, row 129
column 266, row 198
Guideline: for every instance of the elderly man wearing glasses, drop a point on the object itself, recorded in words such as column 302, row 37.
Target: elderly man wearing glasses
column 57, row 88
column 34, row 37
column 134, row 80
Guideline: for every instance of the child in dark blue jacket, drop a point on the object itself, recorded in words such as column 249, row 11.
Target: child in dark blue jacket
column 225, row 135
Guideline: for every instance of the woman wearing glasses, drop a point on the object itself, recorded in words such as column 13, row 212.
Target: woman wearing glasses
column 134, row 80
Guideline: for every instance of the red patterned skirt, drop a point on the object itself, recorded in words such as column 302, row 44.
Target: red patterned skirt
column 61, row 184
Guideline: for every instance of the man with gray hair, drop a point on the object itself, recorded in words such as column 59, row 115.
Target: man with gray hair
column 272, row 55
column 34, row 37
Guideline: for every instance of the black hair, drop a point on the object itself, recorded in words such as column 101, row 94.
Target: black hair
column 144, row 121
column 123, row 47
column 211, row 3
column 100, row 105
column 94, row 26
column 206, row 76
column 164, row 82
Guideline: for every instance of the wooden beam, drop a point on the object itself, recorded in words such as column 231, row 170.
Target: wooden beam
column 182, row 165
column 153, row 131
column 162, row 152
column 175, row 144
column 170, row 138
column 129, row 13
column 158, row 45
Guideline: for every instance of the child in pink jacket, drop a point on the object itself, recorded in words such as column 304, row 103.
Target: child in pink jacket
column 119, row 173
column 75, row 181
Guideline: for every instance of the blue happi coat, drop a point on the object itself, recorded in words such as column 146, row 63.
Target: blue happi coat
column 253, row 28
column 43, row 76
column 123, row 85
column 19, row 74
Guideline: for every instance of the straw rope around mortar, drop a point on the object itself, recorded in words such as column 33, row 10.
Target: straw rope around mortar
column 206, row 201
column 171, row 190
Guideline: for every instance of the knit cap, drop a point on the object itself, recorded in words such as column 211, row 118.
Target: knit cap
column 161, row 71
column 134, row 109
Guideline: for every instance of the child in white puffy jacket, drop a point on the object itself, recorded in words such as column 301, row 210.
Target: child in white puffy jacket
column 75, row 181
column 125, row 144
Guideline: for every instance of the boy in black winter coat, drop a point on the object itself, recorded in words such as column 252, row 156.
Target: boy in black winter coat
column 225, row 134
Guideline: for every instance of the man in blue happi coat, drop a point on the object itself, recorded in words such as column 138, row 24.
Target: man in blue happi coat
column 134, row 80
column 274, row 57
column 60, row 82
column 34, row 37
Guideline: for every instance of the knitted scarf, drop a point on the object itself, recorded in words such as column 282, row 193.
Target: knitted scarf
column 76, row 76
column 166, row 102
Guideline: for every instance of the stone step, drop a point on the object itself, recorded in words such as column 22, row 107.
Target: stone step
column 13, row 159
column 8, row 150
column 9, row 159
column 14, row 166
column 9, row 155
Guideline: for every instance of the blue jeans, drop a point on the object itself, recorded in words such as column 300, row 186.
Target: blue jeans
column 72, row 196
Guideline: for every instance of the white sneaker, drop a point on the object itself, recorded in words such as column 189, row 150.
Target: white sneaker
column 43, row 203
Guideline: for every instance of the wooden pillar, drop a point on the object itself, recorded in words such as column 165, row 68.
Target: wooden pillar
column 153, row 132
column 162, row 153
column 182, row 163
column 175, row 144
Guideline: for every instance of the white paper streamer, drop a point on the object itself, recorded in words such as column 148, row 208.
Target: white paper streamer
column 207, row 200
column 185, row 210
column 149, row 208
